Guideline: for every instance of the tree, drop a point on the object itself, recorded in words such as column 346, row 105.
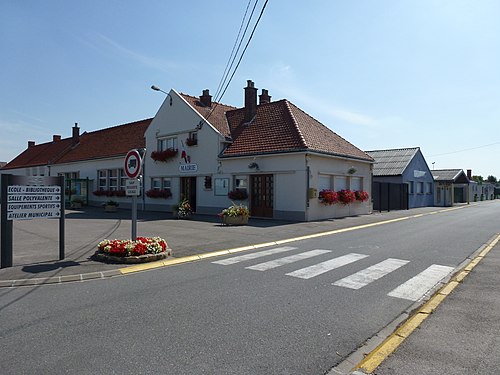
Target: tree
column 492, row 179
column 477, row 178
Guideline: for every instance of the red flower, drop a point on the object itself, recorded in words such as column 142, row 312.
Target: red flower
column 361, row 195
column 346, row 196
column 328, row 197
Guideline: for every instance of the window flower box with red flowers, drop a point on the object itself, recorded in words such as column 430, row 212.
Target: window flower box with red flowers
column 328, row 197
column 110, row 193
column 238, row 195
column 346, row 196
column 159, row 193
column 191, row 141
column 361, row 196
column 165, row 155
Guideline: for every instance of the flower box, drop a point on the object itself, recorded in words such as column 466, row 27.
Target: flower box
column 143, row 249
column 235, row 220
column 165, row 155
column 191, row 141
column 110, row 208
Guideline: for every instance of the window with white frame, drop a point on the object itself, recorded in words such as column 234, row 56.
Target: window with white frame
column 167, row 143
column 103, row 179
column 241, row 183
column 159, row 183
column 324, row 182
column 356, row 183
column 156, row 183
column 167, row 183
column 113, row 179
column 123, row 180
column 340, row 183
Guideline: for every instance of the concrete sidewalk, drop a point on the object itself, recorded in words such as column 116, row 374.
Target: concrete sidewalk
column 36, row 251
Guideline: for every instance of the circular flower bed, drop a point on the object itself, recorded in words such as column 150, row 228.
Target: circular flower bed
column 143, row 249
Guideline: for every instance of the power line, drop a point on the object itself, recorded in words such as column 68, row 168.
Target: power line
column 246, row 46
column 466, row 149
column 229, row 61
column 217, row 100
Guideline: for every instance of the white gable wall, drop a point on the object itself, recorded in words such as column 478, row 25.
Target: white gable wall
column 329, row 167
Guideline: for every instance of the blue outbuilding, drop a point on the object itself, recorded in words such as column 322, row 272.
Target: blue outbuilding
column 401, row 176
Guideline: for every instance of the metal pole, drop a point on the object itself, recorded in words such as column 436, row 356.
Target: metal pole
column 6, row 227
column 134, row 217
column 61, row 219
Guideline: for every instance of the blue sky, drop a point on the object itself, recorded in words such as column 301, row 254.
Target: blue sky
column 382, row 74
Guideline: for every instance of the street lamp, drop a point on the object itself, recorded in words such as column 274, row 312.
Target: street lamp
column 156, row 88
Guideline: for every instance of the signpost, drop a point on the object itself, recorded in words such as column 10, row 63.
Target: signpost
column 26, row 198
column 132, row 167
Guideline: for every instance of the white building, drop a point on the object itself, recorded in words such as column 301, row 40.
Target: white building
column 271, row 155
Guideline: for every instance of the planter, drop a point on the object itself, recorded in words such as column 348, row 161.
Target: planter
column 110, row 208
column 103, row 257
column 235, row 220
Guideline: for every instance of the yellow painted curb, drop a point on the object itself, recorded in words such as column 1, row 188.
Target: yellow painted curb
column 174, row 261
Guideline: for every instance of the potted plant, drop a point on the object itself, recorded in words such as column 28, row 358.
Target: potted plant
column 235, row 215
column 110, row 206
column 76, row 202
column 183, row 209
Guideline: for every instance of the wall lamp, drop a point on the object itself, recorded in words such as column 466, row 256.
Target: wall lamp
column 253, row 165
column 156, row 88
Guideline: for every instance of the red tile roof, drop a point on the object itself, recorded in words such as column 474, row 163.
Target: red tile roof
column 110, row 142
column 42, row 154
column 282, row 127
column 217, row 118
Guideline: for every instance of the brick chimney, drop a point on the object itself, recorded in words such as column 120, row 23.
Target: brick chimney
column 76, row 134
column 264, row 97
column 250, row 101
column 31, row 144
column 56, row 138
column 206, row 98
column 469, row 174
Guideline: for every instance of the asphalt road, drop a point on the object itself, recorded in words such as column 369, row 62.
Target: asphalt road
column 290, row 317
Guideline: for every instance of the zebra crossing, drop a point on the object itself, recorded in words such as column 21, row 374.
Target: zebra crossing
column 413, row 289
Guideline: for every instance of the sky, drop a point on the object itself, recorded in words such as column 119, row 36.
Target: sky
column 382, row 74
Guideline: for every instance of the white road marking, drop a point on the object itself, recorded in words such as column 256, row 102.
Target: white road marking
column 370, row 274
column 417, row 286
column 287, row 260
column 250, row 256
column 320, row 268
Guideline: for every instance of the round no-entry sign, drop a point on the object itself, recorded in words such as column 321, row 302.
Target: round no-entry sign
column 133, row 164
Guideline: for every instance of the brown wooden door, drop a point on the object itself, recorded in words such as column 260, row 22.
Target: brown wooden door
column 188, row 191
column 262, row 193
